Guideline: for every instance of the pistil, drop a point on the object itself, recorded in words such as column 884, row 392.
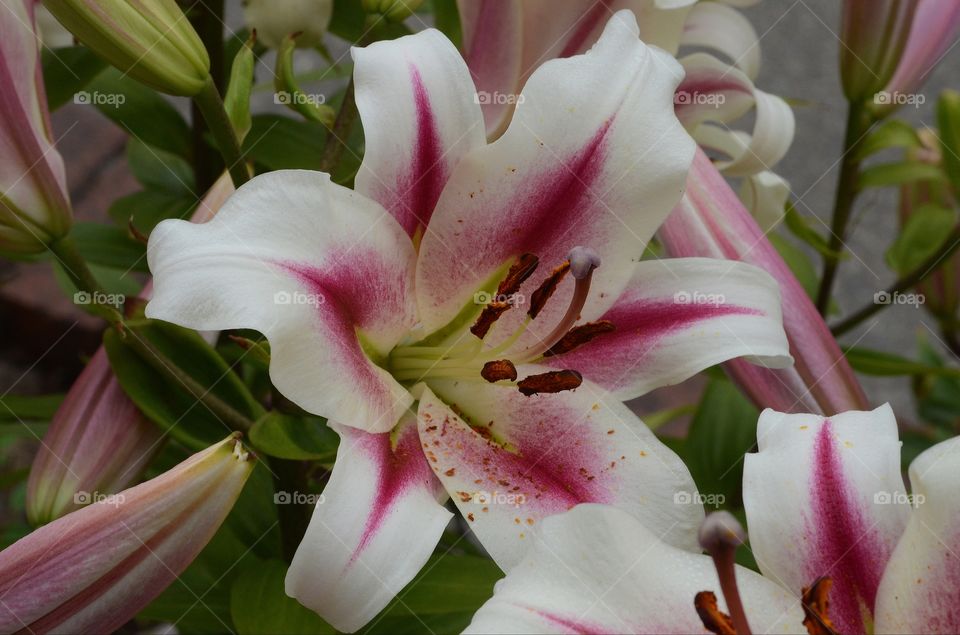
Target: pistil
column 720, row 535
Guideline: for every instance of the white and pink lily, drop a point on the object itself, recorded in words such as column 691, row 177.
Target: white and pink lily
column 824, row 498
column 376, row 305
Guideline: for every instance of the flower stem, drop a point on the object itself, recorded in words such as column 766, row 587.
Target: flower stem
column 909, row 280
column 76, row 267
column 859, row 121
column 207, row 20
column 211, row 105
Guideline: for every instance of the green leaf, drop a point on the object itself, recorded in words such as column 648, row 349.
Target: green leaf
column 16, row 408
column 799, row 263
column 948, row 120
column 938, row 397
column 167, row 402
column 893, row 133
column 924, row 233
column 446, row 17
column 109, row 246
column 236, row 101
column 280, row 143
column 140, row 112
column 67, row 71
column 149, row 207
column 799, row 226
column 883, row 364
column 296, row 438
column 261, row 586
column 722, row 431
column 898, row 173
column 160, row 170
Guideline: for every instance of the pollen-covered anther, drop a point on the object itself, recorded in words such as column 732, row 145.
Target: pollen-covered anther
column 580, row 335
column 499, row 370
column 490, row 314
column 714, row 620
column 519, row 271
column 816, row 607
column 554, row 381
column 538, row 299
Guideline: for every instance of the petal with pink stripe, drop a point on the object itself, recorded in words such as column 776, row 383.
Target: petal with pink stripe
column 824, row 497
column 324, row 273
column 378, row 522
column 420, row 116
column 509, row 461
column 678, row 317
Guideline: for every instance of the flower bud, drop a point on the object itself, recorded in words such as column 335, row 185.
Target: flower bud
column 274, row 20
column 932, row 33
column 34, row 204
column 873, row 36
column 710, row 221
column 96, row 445
column 391, row 10
column 94, row 569
column 153, row 42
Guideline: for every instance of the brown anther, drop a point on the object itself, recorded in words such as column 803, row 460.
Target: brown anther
column 816, row 606
column 498, row 370
column 578, row 336
column 522, row 269
column 554, row 381
column 490, row 314
column 714, row 620
column 539, row 297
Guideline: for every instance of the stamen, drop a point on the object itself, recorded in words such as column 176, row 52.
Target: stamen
column 554, row 381
column 816, row 607
column 519, row 271
column 490, row 314
column 714, row 620
column 499, row 370
column 578, row 336
column 720, row 535
column 539, row 297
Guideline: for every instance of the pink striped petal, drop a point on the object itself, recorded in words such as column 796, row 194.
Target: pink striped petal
column 420, row 117
column 94, row 569
column 932, row 33
column 918, row 593
column 509, row 461
column 594, row 156
column 378, row 522
column 597, row 569
column 324, row 273
column 678, row 317
column 825, row 497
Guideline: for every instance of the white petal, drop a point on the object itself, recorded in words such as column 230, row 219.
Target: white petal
column 724, row 29
column 597, row 569
column 420, row 116
column 316, row 268
column 918, row 593
column 765, row 195
column 374, row 529
column 825, row 497
column 521, row 459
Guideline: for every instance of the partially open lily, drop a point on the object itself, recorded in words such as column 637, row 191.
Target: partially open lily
column 825, row 501
column 465, row 276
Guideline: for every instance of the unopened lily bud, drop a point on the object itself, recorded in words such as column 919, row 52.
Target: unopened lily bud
column 97, row 444
column 873, row 35
column 153, row 42
column 274, row 20
column 34, row 204
column 391, row 10
column 94, row 569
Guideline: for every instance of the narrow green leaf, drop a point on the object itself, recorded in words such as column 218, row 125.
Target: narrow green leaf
column 894, row 133
column 887, row 174
column 110, row 246
column 236, row 101
column 296, row 438
column 15, row 408
column 923, row 234
column 149, row 207
column 160, row 170
column 948, row 120
column 883, row 364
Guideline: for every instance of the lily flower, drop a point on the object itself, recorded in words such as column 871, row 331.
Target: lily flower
column 34, row 204
column 710, row 221
column 831, row 526
column 470, row 319
column 92, row 570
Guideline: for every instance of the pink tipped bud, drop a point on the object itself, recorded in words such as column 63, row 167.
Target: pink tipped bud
column 932, row 33
column 710, row 221
column 94, row 569
column 874, row 35
column 96, row 445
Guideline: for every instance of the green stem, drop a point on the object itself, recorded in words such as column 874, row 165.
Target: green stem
column 294, row 516
column 207, row 21
column 339, row 133
column 76, row 268
column 858, row 122
column 211, row 105
column 908, row 281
